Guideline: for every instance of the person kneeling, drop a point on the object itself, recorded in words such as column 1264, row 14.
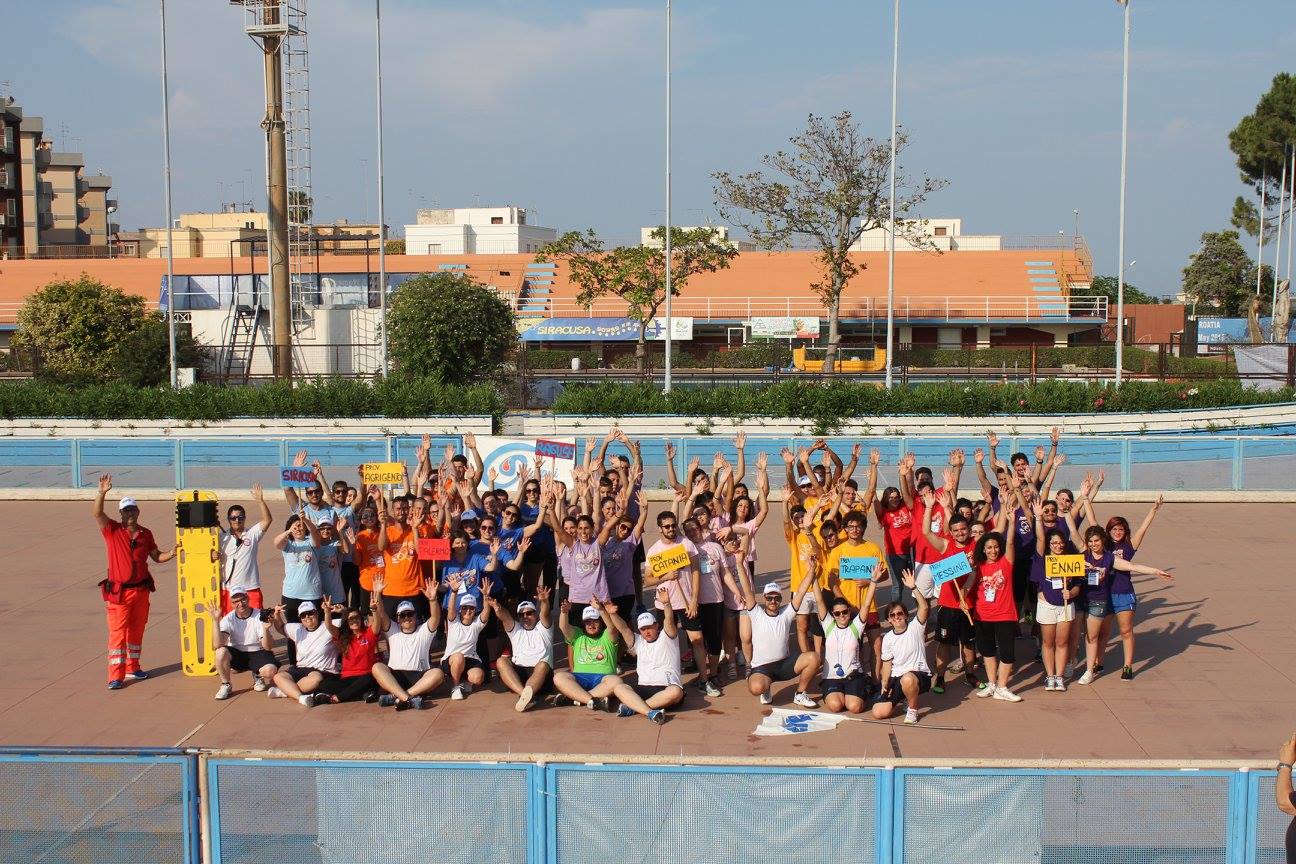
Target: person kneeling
column 408, row 674
column 241, row 643
column 528, row 670
column 905, row 673
column 593, row 677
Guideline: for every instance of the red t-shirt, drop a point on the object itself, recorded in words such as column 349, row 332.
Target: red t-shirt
column 361, row 654
column 924, row 552
column 994, row 592
column 128, row 559
column 948, row 596
column 898, row 529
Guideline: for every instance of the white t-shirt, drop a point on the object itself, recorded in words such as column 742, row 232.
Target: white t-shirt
column 462, row 638
column 240, row 570
column 409, row 651
column 531, row 646
column 907, row 651
column 658, row 661
column 244, row 633
column 315, row 648
column 770, row 634
column 841, row 648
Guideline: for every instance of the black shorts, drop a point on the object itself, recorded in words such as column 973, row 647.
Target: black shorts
column 954, row 628
column 684, row 622
column 858, row 686
column 525, row 672
column 779, row 670
column 250, row 661
column 407, row 678
column 895, row 693
column 297, row 673
column 711, row 616
column 998, row 639
column 648, row 691
column 469, row 663
column 625, row 607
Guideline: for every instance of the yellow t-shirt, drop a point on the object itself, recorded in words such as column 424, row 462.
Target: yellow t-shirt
column 801, row 550
column 853, row 589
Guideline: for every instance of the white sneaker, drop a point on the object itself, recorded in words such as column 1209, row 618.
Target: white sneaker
column 306, row 700
column 1086, row 678
column 766, row 698
column 1005, row 695
column 524, row 701
column 1068, row 670
column 1050, row 683
column 276, row 693
column 457, row 693
column 987, row 690
column 911, row 716
column 259, row 684
column 1060, row 686
column 804, row 700
column 224, row 692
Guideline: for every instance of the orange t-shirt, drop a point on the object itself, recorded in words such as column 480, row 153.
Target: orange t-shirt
column 428, row 568
column 404, row 579
column 368, row 557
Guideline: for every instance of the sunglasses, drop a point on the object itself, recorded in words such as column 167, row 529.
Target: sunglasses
column 402, row 615
column 668, row 525
column 897, row 615
column 529, row 613
column 840, row 613
column 774, row 597
column 237, row 517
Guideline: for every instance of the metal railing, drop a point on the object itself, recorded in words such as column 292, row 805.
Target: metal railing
column 197, row 806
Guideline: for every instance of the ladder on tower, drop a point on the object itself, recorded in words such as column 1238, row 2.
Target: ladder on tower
column 241, row 341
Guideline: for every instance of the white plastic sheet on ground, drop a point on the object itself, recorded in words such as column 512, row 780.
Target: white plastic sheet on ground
column 782, row 721
column 1268, row 360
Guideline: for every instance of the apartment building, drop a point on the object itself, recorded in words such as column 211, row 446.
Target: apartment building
column 475, row 231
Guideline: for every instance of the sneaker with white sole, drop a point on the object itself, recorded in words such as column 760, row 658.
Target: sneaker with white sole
column 259, row 684
column 657, row 716
column 225, row 691
column 1060, row 686
column 524, row 701
column 803, row 699
column 956, row 666
column 987, row 690
column 306, row 700
column 624, row 711
column 911, row 716
column 766, row 699
column 1050, row 684
column 710, row 689
column 1003, row 694
column 1086, row 678
column 276, row 693
column 457, row 693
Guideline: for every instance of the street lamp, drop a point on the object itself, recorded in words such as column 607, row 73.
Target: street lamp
column 166, row 183
column 1120, row 277
column 895, row 104
column 382, row 220
column 669, row 323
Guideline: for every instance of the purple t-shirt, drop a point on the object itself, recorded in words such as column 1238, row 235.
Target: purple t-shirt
column 582, row 570
column 1046, row 586
column 1124, row 549
column 1098, row 576
column 618, row 566
column 1121, row 581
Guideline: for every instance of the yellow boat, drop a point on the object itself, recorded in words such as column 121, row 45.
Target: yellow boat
column 811, row 359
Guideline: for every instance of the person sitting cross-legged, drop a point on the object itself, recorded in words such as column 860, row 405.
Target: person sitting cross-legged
column 527, row 671
column 408, row 674
column 593, row 677
column 657, row 653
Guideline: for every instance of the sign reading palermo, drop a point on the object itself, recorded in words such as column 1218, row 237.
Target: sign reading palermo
column 296, row 477
column 1064, row 567
column 384, row 473
column 668, row 559
column 555, row 449
column 434, row 548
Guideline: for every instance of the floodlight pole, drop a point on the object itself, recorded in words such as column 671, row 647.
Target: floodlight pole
column 382, row 212
column 895, row 103
column 166, row 194
column 667, row 238
column 1120, row 278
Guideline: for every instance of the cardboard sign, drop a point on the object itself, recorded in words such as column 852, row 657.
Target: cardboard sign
column 384, row 473
column 858, row 568
column 1064, row 567
column 948, row 569
column 668, row 560
column 434, row 548
column 554, row 449
column 296, row 477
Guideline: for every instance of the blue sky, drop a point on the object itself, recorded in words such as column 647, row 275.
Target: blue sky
column 558, row 106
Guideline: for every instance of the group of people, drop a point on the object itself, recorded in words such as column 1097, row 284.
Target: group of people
column 363, row 614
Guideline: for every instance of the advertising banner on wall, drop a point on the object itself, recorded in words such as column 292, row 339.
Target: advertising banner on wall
column 784, row 328
column 1220, row 331
column 605, row 330
column 508, row 455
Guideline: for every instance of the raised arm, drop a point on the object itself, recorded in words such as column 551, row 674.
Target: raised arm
column 856, row 450
column 929, row 500
column 218, row 636
column 105, row 486
column 290, row 494
column 1137, row 540
column 907, row 577
column 1141, row 569
column 740, row 467
column 672, row 478
column 258, row 495
column 870, row 492
column 380, row 614
column 906, row 479
column 617, row 623
column 475, row 468
column 432, row 591
column 978, row 456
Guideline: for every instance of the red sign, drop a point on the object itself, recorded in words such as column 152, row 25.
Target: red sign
column 434, row 549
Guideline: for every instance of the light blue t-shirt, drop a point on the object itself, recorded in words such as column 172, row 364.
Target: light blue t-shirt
column 301, row 570
column 330, row 571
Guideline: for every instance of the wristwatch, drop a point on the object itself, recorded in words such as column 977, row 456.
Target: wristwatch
column 1282, row 765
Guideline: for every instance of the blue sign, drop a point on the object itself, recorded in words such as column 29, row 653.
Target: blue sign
column 590, row 330
column 948, row 569
column 555, row 449
column 1221, row 331
column 858, row 568
column 297, row 477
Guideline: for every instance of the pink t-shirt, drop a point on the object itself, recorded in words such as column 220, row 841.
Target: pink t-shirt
column 681, row 588
column 711, row 561
column 582, row 570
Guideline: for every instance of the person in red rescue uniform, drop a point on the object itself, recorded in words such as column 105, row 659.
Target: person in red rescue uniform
column 126, row 590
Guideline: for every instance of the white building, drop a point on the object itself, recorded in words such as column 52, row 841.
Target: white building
column 721, row 233
column 943, row 234
column 475, row 231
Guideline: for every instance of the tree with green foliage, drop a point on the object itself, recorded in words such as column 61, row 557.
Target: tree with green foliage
column 830, row 189
column 1106, row 286
column 448, row 328
column 1221, row 275
column 77, row 327
column 1260, row 139
column 637, row 274
column 144, row 358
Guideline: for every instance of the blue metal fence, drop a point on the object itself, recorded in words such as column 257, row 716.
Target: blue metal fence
column 142, row 806
column 1186, row 461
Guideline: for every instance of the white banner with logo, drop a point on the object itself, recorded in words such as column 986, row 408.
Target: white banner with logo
column 784, row 328
column 508, row 455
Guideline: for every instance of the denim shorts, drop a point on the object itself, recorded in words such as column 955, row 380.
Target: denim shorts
column 1100, row 608
column 1124, row 602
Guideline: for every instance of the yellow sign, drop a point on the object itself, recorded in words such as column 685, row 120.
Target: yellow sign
column 198, row 575
column 384, row 473
column 1064, row 567
column 667, row 560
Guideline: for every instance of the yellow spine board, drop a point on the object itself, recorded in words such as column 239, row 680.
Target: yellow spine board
column 198, row 574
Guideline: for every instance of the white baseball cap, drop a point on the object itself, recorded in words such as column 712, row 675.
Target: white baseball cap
column 590, row 613
column 404, row 606
column 306, row 606
column 127, row 502
column 804, row 481
column 525, row 605
column 772, row 588
column 646, row 619
column 467, row 600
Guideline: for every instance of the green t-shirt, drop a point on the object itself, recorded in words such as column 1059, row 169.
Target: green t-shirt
column 593, row 655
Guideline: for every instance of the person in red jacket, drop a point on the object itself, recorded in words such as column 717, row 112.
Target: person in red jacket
column 126, row 590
